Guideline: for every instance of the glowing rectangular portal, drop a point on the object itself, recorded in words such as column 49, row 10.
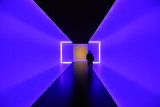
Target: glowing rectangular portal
column 79, row 52
column 61, row 51
column 99, row 50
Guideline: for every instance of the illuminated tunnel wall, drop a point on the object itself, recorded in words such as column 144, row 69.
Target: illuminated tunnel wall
column 130, row 53
column 29, row 52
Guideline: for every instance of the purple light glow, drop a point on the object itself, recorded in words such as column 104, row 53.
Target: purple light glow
column 61, row 49
column 29, row 52
column 130, row 53
column 129, row 59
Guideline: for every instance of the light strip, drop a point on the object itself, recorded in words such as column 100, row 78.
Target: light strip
column 61, row 45
column 99, row 43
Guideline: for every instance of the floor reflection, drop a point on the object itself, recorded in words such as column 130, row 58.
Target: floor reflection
column 76, row 87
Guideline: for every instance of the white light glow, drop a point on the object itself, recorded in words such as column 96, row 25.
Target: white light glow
column 61, row 57
column 99, row 43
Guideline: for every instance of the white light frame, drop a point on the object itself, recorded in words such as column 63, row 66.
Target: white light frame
column 99, row 44
column 61, row 57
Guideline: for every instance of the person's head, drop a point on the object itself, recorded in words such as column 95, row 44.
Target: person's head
column 89, row 51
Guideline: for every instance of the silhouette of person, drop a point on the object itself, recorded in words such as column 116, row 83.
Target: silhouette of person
column 90, row 60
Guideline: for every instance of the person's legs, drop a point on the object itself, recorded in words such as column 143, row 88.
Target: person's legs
column 91, row 65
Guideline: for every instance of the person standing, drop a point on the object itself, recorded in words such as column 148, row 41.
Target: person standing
column 90, row 59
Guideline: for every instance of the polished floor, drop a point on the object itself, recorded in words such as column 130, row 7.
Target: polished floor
column 76, row 87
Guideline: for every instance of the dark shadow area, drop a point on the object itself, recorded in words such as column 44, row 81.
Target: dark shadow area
column 78, row 19
column 76, row 87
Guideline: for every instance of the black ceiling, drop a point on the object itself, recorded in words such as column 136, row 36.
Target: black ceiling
column 78, row 19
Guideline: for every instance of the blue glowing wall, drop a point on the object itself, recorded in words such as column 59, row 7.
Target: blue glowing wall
column 29, row 52
column 130, row 53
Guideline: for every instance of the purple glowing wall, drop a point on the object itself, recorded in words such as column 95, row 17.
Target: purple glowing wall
column 29, row 52
column 130, row 53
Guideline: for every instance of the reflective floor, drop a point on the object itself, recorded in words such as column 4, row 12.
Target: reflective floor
column 76, row 87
